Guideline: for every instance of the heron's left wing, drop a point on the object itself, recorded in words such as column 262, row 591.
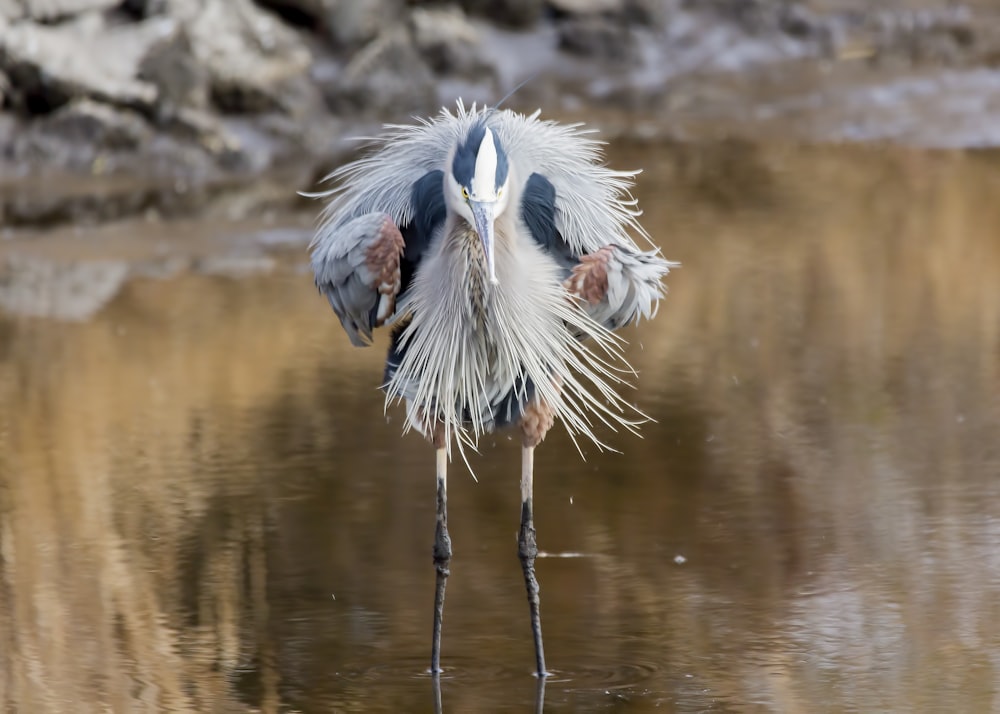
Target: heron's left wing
column 616, row 284
column 593, row 204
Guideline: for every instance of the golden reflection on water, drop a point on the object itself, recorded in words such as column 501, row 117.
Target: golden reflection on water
column 202, row 507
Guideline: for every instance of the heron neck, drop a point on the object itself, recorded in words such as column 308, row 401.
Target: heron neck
column 462, row 243
column 462, row 251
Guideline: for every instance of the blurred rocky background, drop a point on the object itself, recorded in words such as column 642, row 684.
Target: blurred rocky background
column 111, row 108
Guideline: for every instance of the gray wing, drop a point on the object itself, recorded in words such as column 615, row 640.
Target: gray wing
column 364, row 263
column 385, row 206
column 616, row 284
column 384, row 179
column 593, row 204
column 357, row 267
column 582, row 213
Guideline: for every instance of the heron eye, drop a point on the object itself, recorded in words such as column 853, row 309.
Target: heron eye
column 465, row 193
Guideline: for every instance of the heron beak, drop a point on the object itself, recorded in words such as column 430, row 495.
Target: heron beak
column 482, row 212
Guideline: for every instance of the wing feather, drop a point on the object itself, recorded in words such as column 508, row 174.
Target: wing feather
column 357, row 267
column 617, row 283
column 629, row 282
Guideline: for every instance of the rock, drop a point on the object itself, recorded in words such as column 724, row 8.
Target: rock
column 449, row 42
column 512, row 13
column 144, row 8
column 755, row 16
column 251, row 58
column 352, row 24
column 586, row 7
column 10, row 10
column 99, row 127
column 4, row 89
column 766, row 17
column 934, row 37
column 607, row 38
column 95, row 139
column 52, row 10
column 349, row 24
column 50, row 65
column 387, row 77
column 606, row 29
column 304, row 13
column 180, row 80
column 649, row 13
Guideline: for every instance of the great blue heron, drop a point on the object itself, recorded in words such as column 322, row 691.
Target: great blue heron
column 492, row 243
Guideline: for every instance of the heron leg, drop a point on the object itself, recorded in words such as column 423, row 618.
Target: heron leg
column 442, row 551
column 527, row 550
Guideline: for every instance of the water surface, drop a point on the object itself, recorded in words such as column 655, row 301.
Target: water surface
column 203, row 508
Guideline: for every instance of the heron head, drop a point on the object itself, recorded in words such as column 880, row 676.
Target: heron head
column 476, row 187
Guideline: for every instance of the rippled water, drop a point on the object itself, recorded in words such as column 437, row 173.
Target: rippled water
column 202, row 507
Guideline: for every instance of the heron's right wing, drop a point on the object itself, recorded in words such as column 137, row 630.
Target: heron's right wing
column 357, row 267
column 364, row 263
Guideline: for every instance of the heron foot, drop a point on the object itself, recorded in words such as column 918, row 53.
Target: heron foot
column 589, row 279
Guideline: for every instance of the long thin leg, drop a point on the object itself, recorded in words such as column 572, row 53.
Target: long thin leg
column 527, row 549
column 442, row 555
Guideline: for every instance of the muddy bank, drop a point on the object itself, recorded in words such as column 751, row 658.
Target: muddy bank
column 111, row 108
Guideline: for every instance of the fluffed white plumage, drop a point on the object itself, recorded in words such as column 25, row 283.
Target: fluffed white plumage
column 467, row 343
column 594, row 205
column 524, row 327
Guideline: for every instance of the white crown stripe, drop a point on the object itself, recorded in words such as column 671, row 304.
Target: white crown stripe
column 484, row 178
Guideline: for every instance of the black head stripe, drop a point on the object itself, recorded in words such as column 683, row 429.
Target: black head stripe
column 464, row 164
